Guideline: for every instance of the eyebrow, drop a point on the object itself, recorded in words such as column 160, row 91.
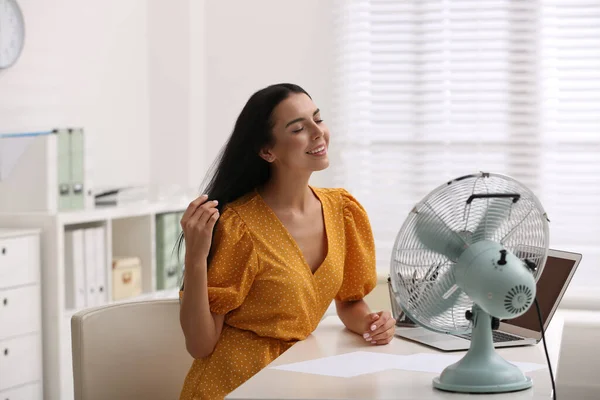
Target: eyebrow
column 301, row 119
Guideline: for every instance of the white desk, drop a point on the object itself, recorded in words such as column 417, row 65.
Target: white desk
column 331, row 338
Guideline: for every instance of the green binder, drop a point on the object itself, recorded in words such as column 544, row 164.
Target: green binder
column 168, row 267
column 63, row 160
column 70, row 168
column 77, row 185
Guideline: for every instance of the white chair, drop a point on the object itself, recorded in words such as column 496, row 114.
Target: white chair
column 131, row 350
column 579, row 358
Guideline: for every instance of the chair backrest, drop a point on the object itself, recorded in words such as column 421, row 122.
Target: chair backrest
column 129, row 351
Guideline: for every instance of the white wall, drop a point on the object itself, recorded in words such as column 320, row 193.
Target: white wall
column 177, row 79
column 203, row 69
column 197, row 138
column 169, row 89
column 158, row 85
column 252, row 44
column 85, row 64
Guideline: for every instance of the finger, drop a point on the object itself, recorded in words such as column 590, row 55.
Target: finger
column 200, row 212
column 197, row 202
column 372, row 318
column 213, row 220
column 388, row 327
column 390, row 323
column 384, row 341
column 206, row 215
column 377, row 326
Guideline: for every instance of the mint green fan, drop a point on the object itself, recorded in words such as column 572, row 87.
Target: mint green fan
column 468, row 255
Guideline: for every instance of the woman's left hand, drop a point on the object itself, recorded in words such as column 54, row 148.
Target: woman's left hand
column 380, row 328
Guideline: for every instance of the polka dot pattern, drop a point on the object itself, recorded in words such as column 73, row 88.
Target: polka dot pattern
column 259, row 278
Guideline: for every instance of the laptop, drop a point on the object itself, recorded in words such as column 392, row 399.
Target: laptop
column 521, row 331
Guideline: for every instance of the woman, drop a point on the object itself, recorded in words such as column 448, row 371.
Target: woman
column 281, row 252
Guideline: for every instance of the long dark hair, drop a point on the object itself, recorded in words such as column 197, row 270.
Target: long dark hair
column 239, row 169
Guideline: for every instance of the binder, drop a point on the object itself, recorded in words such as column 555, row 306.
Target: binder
column 168, row 269
column 75, row 287
column 101, row 266
column 64, row 169
column 70, row 159
column 91, row 283
column 76, row 169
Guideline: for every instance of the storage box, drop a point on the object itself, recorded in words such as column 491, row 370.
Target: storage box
column 126, row 277
column 45, row 172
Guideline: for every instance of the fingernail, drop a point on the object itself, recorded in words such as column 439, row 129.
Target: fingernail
column 366, row 336
column 204, row 195
column 373, row 327
column 216, row 201
column 374, row 342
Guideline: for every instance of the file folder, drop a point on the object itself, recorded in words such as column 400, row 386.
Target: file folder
column 101, row 266
column 76, row 170
column 63, row 160
column 91, row 283
column 75, row 282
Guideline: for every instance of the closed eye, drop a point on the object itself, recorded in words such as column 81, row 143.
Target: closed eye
column 318, row 121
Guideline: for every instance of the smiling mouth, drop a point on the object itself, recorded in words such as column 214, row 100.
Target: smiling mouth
column 318, row 151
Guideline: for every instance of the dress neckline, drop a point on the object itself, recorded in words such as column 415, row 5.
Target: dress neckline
column 293, row 241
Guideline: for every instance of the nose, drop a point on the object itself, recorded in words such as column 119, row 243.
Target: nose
column 317, row 132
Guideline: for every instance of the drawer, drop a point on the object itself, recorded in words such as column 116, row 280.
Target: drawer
column 20, row 361
column 19, row 261
column 20, row 311
column 32, row 391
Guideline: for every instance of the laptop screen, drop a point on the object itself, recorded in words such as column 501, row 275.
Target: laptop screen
column 553, row 279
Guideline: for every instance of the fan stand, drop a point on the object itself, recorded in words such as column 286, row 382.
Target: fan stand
column 482, row 370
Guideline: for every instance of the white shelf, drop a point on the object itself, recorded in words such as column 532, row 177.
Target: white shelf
column 116, row 212
column 105, row 213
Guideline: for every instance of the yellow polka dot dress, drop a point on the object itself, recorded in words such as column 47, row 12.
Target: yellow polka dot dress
column 259, row 278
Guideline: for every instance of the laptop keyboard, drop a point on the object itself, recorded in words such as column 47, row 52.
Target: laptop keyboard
column 497, row 337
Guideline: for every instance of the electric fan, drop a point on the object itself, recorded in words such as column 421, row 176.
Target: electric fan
column 468, row 255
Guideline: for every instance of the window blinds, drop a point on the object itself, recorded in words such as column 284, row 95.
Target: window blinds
column 427, row 91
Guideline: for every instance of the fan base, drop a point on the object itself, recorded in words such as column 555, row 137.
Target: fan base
column 496, row 388
column 482, row 369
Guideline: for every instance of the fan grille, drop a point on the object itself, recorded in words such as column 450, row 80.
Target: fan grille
column 422, row 279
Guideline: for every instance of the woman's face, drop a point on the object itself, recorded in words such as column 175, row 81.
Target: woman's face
column 301, row 138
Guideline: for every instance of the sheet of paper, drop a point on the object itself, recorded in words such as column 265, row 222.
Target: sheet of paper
column 344, row 365
column 363, row 362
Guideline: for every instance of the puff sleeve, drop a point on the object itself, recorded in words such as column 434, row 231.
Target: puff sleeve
column 360, row 273
column 233, row 264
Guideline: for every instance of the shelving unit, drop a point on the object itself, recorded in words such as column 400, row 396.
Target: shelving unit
column 130, row 231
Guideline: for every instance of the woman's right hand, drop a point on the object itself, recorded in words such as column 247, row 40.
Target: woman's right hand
column 197, row 223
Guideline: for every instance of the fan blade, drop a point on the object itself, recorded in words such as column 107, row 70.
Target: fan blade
column 432, row 298
column 433, row 232
column 495, row 213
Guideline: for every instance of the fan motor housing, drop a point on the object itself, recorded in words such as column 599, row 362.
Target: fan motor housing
column 495, row 279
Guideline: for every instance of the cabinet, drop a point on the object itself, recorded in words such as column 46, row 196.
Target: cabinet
column 20, row 315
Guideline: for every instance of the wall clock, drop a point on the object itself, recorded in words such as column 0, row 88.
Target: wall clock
column 12, row 33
